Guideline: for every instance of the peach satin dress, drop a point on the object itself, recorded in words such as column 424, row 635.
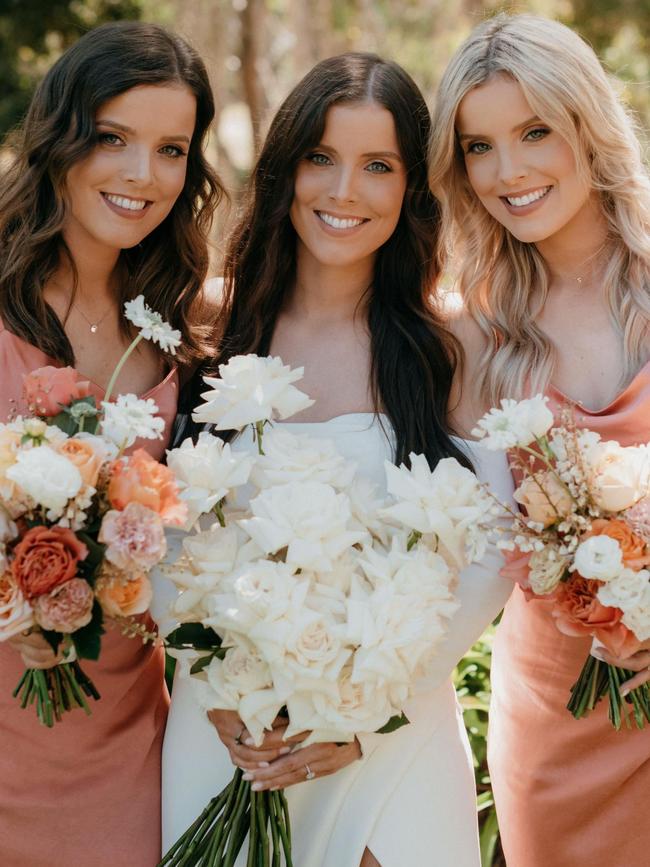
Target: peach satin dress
column 86, row 792
column 569, row 793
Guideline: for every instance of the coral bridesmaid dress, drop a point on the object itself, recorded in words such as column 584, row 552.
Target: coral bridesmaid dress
column 569, row 793
column 86, row 792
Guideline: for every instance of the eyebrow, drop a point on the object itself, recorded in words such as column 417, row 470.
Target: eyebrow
column 533, row 119
column 115, row 125
column 370, row 155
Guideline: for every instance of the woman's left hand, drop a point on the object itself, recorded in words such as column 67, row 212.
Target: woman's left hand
column 321, row 760
column 639, row 661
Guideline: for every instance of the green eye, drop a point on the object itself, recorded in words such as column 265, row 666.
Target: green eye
column 319, row 159
column 478, row 147
column 538, row 133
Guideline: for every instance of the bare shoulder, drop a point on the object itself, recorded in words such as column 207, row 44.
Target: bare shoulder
column 465, row 405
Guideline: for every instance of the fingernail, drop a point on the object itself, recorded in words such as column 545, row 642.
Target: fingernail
column 624, row 692
column 274, row 789
column 598, row 654
column 257, row 786
column 248, row 776
column 285, row 750
column 263, row 764
column 249, row 742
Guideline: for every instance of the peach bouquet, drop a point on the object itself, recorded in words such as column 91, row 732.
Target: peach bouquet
column 582, row 542
column 81, row 523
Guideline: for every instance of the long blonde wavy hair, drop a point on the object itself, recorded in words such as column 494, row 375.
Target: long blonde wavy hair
column 503, row 281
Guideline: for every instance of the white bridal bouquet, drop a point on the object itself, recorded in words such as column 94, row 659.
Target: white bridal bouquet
column 309, row 595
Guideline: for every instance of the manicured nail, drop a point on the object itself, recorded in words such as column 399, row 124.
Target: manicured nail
column 625, row 691
column 248, row 776
column 274, row 789
column 249, row 742
column 256, row 787
column 263, row 765
column 285, row 750
column 598, row 654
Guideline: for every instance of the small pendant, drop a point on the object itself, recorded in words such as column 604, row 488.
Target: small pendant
column 93, row 329
column 579, row 279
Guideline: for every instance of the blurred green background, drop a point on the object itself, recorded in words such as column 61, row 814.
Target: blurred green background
column 255, row 51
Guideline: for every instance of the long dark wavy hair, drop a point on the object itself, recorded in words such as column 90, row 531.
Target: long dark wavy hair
column 413, row 355
column 170, row 264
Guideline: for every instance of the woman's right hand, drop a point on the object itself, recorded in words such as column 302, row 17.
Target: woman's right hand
column 35, row 651
column 237, row 740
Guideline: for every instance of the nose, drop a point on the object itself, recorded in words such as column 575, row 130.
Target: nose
column 343, row 187
column 512, row 168
column 137, row 167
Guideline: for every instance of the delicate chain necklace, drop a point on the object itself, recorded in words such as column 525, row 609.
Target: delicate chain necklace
column 93, row 325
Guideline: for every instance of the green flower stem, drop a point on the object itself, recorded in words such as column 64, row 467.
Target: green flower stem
column 218, row 511
column 262, row 820
column 259, row 429
column 252, row 841
column 238, row 813
column 275, row 834
column 120, row 365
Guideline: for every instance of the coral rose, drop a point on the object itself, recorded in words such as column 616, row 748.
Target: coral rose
column 544, row 497
column 578, row 612
column 635, row 551
column 15, row 612
column 44, row 558
column 124, row 598
column 48, row 389
column 67, row 608
column 141, row 479
column 83, row 456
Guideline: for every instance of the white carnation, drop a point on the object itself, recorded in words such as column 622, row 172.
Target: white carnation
column 251, row 389
column 515, row 423
column 627, row 591
column 599, row 558
column 130, row 418
column 46, row 476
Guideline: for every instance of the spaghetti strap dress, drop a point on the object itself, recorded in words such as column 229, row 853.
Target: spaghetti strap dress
column 569, row 793
column 86, row 792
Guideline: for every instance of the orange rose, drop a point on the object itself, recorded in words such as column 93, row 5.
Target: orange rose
column 84, row 457
column 124, row 598
column 44, row 558
column 49, row 388
column 578, row 612
column 141, row 479
column 634, row 549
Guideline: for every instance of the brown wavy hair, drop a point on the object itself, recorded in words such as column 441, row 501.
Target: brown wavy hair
column 170, row 265
column 413, row 355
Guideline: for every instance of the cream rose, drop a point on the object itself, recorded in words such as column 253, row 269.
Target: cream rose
column 545, row 498
column 621, row 475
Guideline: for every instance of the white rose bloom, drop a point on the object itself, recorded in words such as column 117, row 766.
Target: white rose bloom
column 546, row 570
column 206, row 471
column 621, row 476
column 515, row 423
column 627, row 591
column 290, row 457
column 637, row 617
column 103, row 448
column 445, row 502
column 367, row 509
column 46, row 476
column 310, row 519
column 599, row 557
column 16, row 613
column 130, row 418
column 244, row 670
column 251, row 389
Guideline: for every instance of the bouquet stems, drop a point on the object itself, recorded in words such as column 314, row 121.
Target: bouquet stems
column 598, row 679
column 237, row 812
column 55, row 691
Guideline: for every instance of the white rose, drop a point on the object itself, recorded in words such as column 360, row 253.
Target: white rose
column 289, row 457
column 244, row 670
column 515, row 424
column 251, row 389
column 546, row 570
column 599, row 558
column 627, row 591
column 16, row 613
column 206, row 471
column 310, row 519
column 637, row 617
column 47, row 477
column 621, row 476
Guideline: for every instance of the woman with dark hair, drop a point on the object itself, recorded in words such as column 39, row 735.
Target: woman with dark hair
column 108, row 196
column 331, row 267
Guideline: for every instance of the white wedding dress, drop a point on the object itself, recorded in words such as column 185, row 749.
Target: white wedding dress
column 411, row 798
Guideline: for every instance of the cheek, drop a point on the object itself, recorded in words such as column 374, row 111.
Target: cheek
column 479, row 175
column 172, row 179
column 386, row 199
column 307, row 186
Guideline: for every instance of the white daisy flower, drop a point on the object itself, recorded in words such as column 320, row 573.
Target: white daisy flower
column 151, row 324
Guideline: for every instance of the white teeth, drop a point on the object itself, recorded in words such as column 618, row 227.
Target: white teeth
column 127, row 204
column 520, row 201
column 336, row 223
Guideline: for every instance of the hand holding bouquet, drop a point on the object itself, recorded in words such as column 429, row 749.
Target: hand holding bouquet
column 584, row 541
column 81, row 524
column 310, row 596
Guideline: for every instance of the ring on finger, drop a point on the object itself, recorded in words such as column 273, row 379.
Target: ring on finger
column 238, row 738
column 309, row 774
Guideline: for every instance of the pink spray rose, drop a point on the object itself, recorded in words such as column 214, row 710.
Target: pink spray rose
column 134, row 537
column 67, row 608
column 47, row 388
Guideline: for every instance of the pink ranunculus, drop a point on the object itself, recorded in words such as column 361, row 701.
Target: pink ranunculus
column 134, row 537
column 67, row 608
column 49, row 388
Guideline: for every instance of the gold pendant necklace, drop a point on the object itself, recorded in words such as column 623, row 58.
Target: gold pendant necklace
column 93, row 325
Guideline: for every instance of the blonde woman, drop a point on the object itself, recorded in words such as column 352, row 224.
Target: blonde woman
column 547, row 202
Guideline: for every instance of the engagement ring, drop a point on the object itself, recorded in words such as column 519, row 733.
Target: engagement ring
column 309, row 774
column 238, row 738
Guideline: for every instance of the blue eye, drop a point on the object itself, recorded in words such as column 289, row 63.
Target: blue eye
column 318, row 159
column 109, row 138
column 173, row 151
column 537, row 134
column 478, row 147
column 377, row 167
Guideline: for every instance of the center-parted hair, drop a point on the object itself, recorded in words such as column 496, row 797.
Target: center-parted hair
column 413, row 356
column 170, row 264
column 504, row 281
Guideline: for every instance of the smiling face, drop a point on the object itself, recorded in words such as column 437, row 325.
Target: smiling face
column 129, row 182
column 349, row 189
column 523, row 172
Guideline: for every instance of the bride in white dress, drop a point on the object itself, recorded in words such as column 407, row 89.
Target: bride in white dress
column 331, row 268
